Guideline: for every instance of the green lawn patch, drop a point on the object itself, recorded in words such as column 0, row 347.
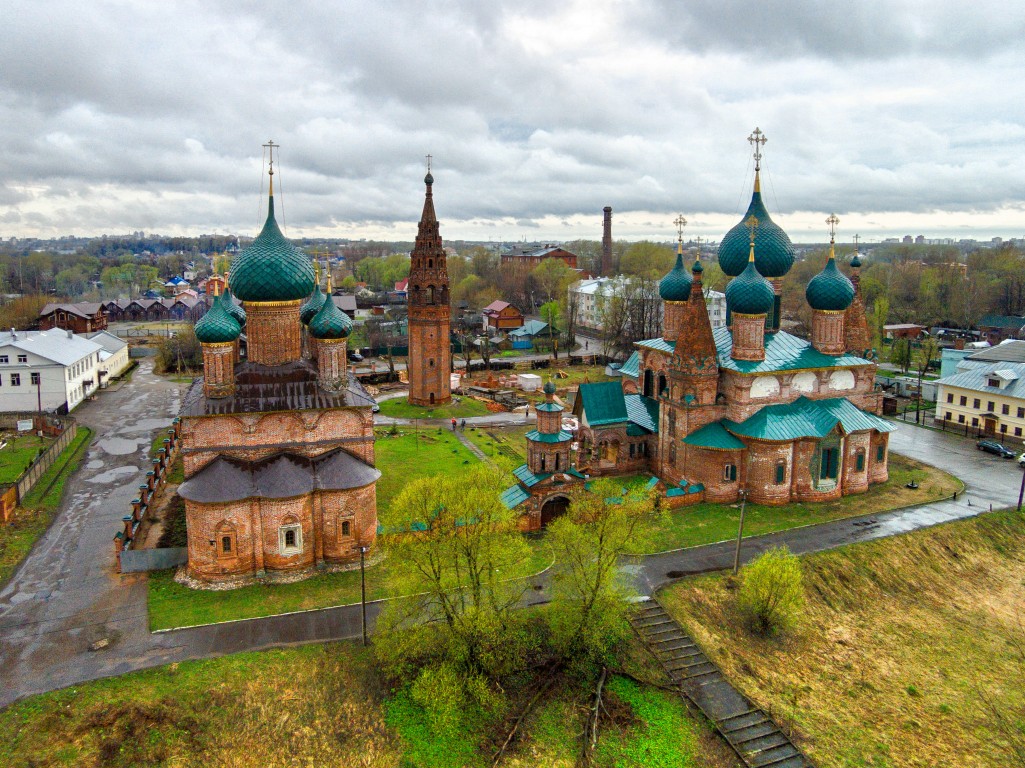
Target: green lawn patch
column 505, row 446
column 18, row 455
column 174, row 605
column 708, row 523
column 907, row 647
column 400, row 408
column 37, row 509
column 411, row 453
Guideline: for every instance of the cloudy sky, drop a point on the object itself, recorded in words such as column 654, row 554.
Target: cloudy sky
column 905, row 116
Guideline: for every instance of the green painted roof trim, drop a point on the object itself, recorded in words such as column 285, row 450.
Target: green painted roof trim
column 714, row 436
column 807, row 418
column 540, row 437
column 642, row 411
column 514, row 496
column 549, row 407
column 632, row 366
column 528, row 478
column 783, row 352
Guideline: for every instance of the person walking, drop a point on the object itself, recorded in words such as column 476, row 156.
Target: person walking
column 453, row 423
column 462, row 425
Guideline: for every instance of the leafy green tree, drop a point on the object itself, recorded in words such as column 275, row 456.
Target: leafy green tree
column 901, row 354
column 647, row 259
column 587, row 617
column 551, row 313
column 553, row 277
column 454, row 568
column 771, row 594
column 180, row 353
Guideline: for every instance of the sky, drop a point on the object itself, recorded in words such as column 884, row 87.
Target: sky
column 902, row 117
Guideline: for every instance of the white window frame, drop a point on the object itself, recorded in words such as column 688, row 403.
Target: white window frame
column 286, row 550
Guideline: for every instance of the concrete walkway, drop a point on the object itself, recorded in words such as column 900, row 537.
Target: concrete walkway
column 66, row 594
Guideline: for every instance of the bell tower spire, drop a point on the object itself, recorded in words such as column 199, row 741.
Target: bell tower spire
column 430, row 350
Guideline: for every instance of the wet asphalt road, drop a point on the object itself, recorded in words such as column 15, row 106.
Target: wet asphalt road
column 66, row 595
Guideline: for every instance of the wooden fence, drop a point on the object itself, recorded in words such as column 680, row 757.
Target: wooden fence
column 12, row 496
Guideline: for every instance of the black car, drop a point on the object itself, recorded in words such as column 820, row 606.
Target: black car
column 992, row 446
column 355, row 357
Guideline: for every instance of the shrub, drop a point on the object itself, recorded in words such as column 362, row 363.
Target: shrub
column 771, row 594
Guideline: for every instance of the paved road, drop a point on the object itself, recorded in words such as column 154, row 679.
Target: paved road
column 66, row 595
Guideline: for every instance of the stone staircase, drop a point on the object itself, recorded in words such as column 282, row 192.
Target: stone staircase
column 756, row 739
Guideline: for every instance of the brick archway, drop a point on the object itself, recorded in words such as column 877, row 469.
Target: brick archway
column 553, row 508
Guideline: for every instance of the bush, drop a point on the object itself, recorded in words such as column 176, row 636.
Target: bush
column 771, row 595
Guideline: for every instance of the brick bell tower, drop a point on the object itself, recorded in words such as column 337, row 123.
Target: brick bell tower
column 430, row 317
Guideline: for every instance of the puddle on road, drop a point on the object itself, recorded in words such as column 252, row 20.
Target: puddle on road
column 113, row 475
column 94, row 464
column 119, row 446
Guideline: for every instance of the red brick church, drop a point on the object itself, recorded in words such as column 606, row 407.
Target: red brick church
column 747, row 409
column 279, row 447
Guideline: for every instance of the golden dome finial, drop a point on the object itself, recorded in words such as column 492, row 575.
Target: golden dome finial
column 757, row 140
column 832, row 221
column 752, row 226
column 269, row 146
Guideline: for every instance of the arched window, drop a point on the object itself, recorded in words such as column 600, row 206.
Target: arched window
column 781, row 472
column 649, row 382
column 346, row 528
column 225, row 540
column 290, row 537
column 859, row 460
column 557, row 462
column 430, row 263
column 430, row 294
column 662, row 390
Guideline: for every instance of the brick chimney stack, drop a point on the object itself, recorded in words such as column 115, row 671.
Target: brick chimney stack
column 606, row 243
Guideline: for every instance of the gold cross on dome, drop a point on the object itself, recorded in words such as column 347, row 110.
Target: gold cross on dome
column 832, row 221
column 752, row 225
column 428, row 163
column 680, row 223
column 269, row 146
column 857, row 239
column 757, row 140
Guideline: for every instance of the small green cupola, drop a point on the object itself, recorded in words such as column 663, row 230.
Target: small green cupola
column 830, row 290
column 772, row 244
column 749, row 293
column 330, row 322
column 675, row 286
column 232, row 308
column 271, row 268
column 313, row 305
column 217, row 326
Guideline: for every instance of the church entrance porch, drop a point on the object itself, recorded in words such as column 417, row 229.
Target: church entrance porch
column 554, row 508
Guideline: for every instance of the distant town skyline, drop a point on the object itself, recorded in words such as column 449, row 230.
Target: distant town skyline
column 900, row 118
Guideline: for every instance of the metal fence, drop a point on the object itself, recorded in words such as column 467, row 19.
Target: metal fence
column 139, row 560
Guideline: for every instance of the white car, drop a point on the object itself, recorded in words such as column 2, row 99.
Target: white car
column 1021, row 460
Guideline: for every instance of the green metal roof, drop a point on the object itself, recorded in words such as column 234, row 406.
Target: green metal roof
column 715, row 436
column 783, row 352
column 528, row 478
column 217, row 326
column 530, row 328
column 513, row 497
column 602, row 403
column 232, row 308
column 632, row 430
column 659, row 345
column 312, row 305
column 540, row 437
column 632, row 366
column 807, row 418
column 774, row 253
column 642, row 411
column 549, row 407
column 330, row 322
column 271, row 268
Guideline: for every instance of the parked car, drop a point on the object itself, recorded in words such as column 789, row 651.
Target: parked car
column 1021, row 461
column 355, row 357
column 992, row 446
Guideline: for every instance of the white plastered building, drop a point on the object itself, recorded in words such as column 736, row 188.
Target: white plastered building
column 52, row 370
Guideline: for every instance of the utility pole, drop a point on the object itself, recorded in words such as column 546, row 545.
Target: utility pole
column 363, row 589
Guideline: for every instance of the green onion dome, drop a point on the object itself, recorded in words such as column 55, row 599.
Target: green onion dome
column 271, row 268
column 830, row 289
column 697, row 266
column 749, row 293
column 856, row 261
column 217, row 326
column 773, row 246
column 232, row 308
column 312, row 306
column 549, row 388
column 675, row 286
column 330, row 322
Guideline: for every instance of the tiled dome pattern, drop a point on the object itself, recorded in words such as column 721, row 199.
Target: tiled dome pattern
column 749, row 293
column 774, row 253
column 271, row 268
column 330, row 322
column 830, row 289
column 675, row 286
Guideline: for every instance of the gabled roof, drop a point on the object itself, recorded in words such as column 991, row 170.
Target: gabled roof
column 1012, row 351
column 714, row 436
column 513, row 497
column 530, row 328
column 561, row 436
column 807, row 418
column 977, row 379
column 783, row 352
column 528, row 478
column 85, row 309
column 107, row 340
column 53, row 344
column 1001, row 321
column 497, row 306
column 642, row 411
column 601, row 403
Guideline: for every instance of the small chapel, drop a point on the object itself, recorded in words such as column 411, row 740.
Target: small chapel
column 744, row 411
column 278, row 447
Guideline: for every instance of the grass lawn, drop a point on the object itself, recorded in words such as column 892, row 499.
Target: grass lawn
column 326, row 705
column 410, row 454
column 37, row 509
column 19, row 453
column 173, row 605
column 708, row 523
column 506, row 446
column 400, row 408
column 903, row 643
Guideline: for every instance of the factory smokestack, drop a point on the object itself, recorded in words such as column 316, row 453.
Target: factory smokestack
column 606, row 243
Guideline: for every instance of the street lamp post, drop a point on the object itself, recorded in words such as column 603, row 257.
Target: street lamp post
column 363, row 588
column 740, row 532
